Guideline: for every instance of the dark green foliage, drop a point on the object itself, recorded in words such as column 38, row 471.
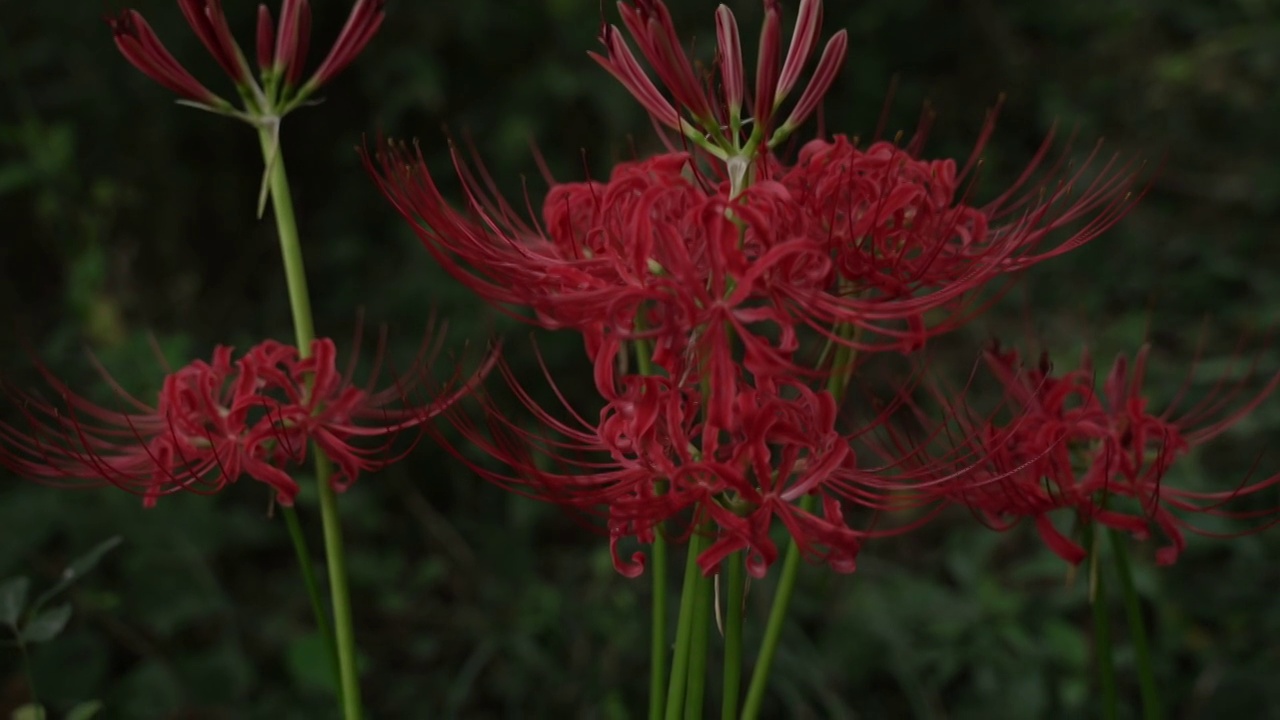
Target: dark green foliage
column 126, row 217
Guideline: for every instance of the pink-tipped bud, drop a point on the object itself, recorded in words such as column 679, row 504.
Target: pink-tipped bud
column 142, row 48
column 622, row 64
column 654, row 31
column 291, row 37
column 209, row 22
column 803, row 41
column 299, row 60
column 732, row 71
column 363, row 22
column 265, row 46
column 825, row 74
column 767, row 64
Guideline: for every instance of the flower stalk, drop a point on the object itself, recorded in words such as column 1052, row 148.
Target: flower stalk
column 685, row 630
column 1103, row 648
column 304, row 331
column 734, row 570
column 1152, row 707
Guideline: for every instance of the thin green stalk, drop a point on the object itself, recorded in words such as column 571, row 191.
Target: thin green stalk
column 658, row 631
column 704, row 597
column 684, row 631
column 295, row 272
column 1102, row 646
column 658, row 570
column 735, row 592
column 323, row 623
column 304, row 330
column 338, row 593
column 1152, row 708
column 837, row 384
column 773, row 629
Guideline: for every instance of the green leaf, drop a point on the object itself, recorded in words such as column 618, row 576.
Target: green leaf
column 48, row 624
column 30, row 711
column 78, row 568
column 84, row 710
column 13, row 598
column 309, row 663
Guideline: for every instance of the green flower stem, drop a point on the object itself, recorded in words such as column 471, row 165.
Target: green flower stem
column 704, row 597
column 295, row 272
column 658, row 571
column 304, row 330
column 837, row 384
column 1151, row 705
column 658, row 632
column 338, row 592
column 684, row 631
column 1102, row 646
column 323, row 623
column 734, row 568
column 773, row 629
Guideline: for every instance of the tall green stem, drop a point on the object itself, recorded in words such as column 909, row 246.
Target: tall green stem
column 323, row 624
column 1102, row 646
column 1152, row 708
column 684, row 631
column 658, row 570
column 773, row 629
column 658, row 631
column 698, row 646
column 734, row 569
column 837, row 384
column 304, row 330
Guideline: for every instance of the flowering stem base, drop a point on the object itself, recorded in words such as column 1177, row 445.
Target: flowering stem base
column 777, row 618
column 698, row 646
column 734, row 597
column 684, row 630
column 1102, row 645
column 1151, row 705
column 324, row 624
column 658, row 632
column 338, row 593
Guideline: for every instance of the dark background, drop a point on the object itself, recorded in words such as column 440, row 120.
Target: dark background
column 126, row 217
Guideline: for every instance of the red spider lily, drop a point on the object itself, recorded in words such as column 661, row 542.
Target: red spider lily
column 903, row 240
column 654, row 456
column 652, row 253
column 1071, row 446
column 713, row 125
column 217, row 421
column 872, row 248
column 278, row 90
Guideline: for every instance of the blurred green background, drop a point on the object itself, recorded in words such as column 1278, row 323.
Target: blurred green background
column 126, row 217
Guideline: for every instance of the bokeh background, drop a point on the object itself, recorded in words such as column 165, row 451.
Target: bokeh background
column 127, row 218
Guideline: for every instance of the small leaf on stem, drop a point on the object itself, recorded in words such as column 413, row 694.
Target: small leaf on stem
column 13, row 599
column 47, row 625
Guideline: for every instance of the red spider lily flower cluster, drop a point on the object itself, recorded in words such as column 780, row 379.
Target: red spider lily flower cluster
column 281, row 54
column 215, row 422
column 721, row 264
column 1098, row 452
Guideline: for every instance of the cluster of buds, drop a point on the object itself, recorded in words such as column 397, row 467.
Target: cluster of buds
column 281, row 55
column 747, row 286
column 218, row 421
